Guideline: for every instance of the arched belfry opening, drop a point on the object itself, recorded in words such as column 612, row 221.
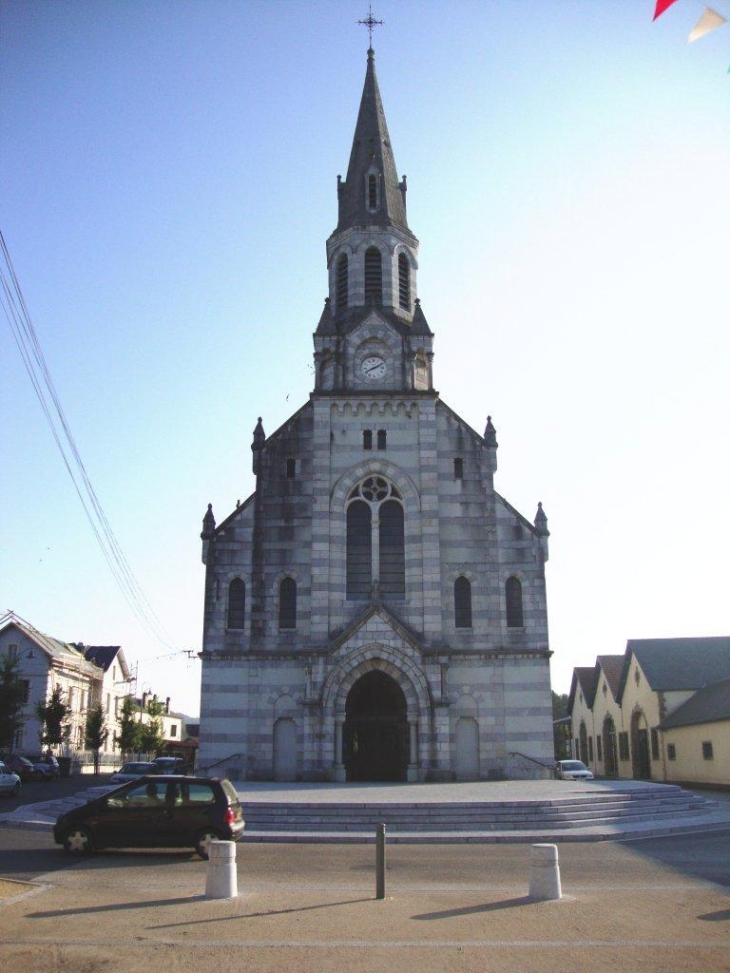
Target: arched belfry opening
column 376, row 729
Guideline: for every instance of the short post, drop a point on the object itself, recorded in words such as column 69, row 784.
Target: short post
column 222, row 879
column 544, row 872
column 380, row 861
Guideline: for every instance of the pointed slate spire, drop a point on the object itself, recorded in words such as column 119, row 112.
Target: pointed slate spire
column 327, row 321
column 490, row 434
column 371, row 155
column 541, row 522
column 259, row 438
column 420, row 324
column 208, row 523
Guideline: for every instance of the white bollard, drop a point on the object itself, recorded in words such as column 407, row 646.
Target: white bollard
column 544, row 872
column 222, row 879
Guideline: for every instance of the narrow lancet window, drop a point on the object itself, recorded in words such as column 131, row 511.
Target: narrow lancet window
column 382, row 438
column 462, row 602
column 341, row 292
column 373, row 276
column 513, row 595
column 367, row 439
column 288, row 603
column 372, row 192
column 236, row 604
column 404, row 282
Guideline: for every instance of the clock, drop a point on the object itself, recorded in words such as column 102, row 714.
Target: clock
column 373, row 368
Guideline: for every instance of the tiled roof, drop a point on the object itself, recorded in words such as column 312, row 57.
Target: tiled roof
column 682, row 663
column 708, row 705
column 612, row 667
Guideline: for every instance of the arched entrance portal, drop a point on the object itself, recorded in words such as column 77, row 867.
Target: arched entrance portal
column 376, row 729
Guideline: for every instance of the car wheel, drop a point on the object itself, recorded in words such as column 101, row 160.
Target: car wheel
column 203, row 840
column 78, row 841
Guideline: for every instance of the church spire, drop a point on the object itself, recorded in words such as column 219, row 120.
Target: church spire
column 371, row 195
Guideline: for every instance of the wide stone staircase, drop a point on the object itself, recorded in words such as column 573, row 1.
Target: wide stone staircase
column 656, row 810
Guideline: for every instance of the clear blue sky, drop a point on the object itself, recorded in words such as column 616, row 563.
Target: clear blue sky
column 168, row 182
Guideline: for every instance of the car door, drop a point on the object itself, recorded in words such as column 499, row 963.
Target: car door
column 194, row 809
column 135, row 817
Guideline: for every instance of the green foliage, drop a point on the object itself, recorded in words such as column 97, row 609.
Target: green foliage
column 561, row 734
column 96, row 732
column 152, row 738
column 128, row 738
column 53, row 717
column 12, row 698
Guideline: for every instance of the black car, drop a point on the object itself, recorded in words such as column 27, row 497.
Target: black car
column 154, row 812
column 20, row 766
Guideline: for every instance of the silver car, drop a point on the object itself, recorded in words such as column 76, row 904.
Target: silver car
column 133, row 770
column 9, row 782
column 572, row 770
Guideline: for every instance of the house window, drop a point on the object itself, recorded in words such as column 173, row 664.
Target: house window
column 288, row 603
column 24, row 690
column 458, row 468
column 513, row 595
column 404, row 282
column 375, row 539
column 341, row 291
column 236, row 603
column 372, row 192
column 462, row 603
column 590, row 750
column 623, row 746
column 291, row 469
column 707, row 750
column 173, row 729
column 12, row 652
column 599, row 748
column 654, row 745
column 382, row 438
column 671, row 751
column 373, row 276
column 367, row 439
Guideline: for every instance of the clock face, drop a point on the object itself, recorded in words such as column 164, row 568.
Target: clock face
column 373, row 368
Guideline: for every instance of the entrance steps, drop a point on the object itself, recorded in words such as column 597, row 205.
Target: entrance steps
column 614, row 813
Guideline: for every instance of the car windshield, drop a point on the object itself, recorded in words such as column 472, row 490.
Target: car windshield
column 573, row 765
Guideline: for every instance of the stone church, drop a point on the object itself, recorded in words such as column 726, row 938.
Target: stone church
column 375, row 611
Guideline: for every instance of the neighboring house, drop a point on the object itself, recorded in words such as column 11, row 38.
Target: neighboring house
column 85, row 674
column 172, row 724
column 660, row 711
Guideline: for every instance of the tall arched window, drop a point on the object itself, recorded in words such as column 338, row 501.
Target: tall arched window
column 462, row 602
column 359, row 549
column 341, row 290
column 373, row 276
column 392, row 550
column 288, row 603
column 375, row 539
column 236, row 603
column 404, row 282
column 513, row 595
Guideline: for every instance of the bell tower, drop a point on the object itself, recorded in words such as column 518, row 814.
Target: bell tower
column 372, row 334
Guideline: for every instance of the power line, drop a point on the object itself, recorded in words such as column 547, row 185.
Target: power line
column 35, row 364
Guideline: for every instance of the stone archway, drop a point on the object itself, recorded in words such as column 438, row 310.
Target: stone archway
column 375, row 733
column 610, row 750
column 640, row 755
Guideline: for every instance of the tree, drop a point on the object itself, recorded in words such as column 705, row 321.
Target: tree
column 152, row 738
column 96, row 732
column 12, row 699
column 128, row 738
column 53, row 717
column 561, row 732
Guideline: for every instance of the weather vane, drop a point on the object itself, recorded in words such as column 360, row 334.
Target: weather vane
column 370, row 23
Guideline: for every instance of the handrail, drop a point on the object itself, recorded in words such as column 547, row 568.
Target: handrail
column 222, row 761
column 540, row 763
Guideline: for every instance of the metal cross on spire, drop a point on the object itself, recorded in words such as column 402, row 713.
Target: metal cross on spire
column 370, row 23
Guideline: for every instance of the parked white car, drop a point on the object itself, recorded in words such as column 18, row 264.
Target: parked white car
column 572, row 770
column 9, row 782
column 133, row 770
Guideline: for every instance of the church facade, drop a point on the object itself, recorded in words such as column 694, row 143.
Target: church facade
column 375, row 610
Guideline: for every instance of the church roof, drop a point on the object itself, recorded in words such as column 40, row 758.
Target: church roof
column 612, row 668
column 587, row 678
column 371, row 149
